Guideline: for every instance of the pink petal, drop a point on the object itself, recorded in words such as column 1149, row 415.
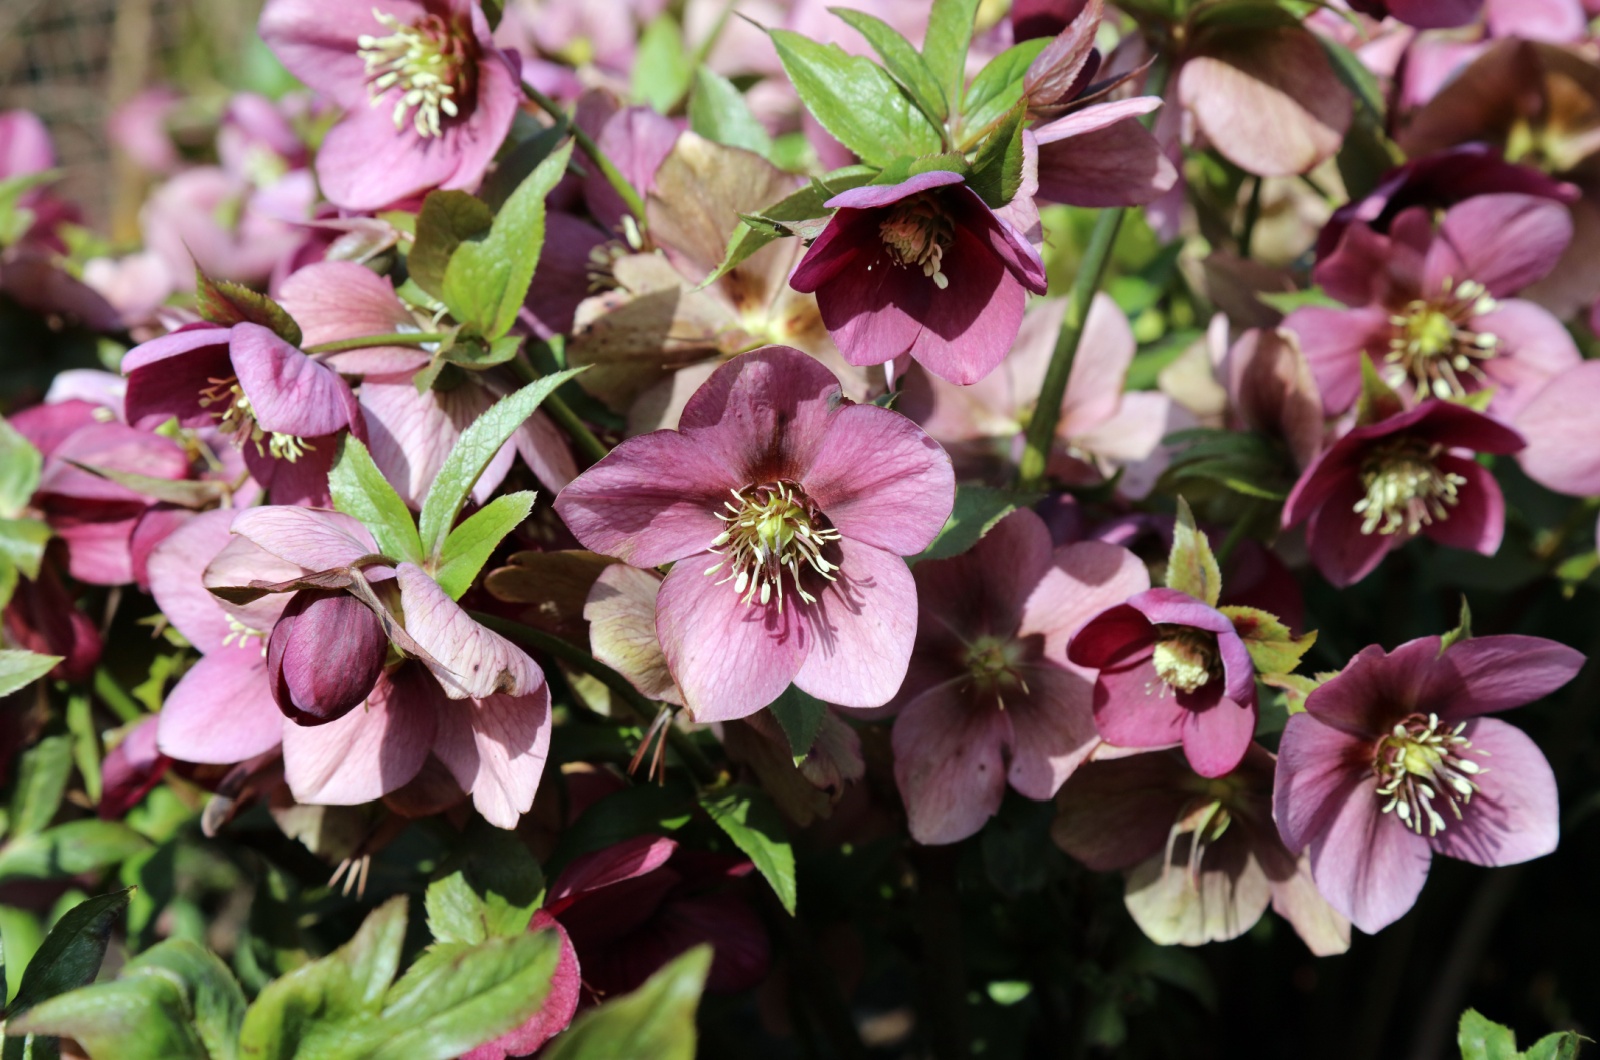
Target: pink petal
column 863, row 627
column 969, row 326
column 365, row 163
column 765, row 413
column 626, row 860
column 621, row 612
column 948, row 763
column 188, row 359
column 313, row 538
column 1117, row 164
column 1367, row 864
column 1053, row 730
column 1478, row 522
column 471, row 662
column 1333, row 341
column 1484, row 675
column 342, row 300
column 869, row 196
column 1504, row 241
column 496, row 749
column 317, row 41
column 881, row 480
column 1340, row 550
column 1094, row 386
column 413, row 433
column 729, row 658
column 1134, row 707
column 175, row 568
column 1084, row 579
column 1216, row 738
column 290, row 392
column 1563, row 433
column 1318, row 765
column 371, row 751
column 1516, row 814
column 874, row 313
column 1376, row 689
column 1534, row 348
column 221, row 711
column 111, row 447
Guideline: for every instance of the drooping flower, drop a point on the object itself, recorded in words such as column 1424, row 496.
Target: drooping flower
column 1392, row 761
column 1200, row 857
column 923, row 267
column 428, row 97
column 785, row 510
column 1431, row 307
column 990, row 697
column 1384, row 483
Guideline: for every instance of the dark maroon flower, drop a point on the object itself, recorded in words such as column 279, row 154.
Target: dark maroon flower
column 1423, row 14
column 131, row 769
column 43, row 618
column 1382, row 484
column 324, row 655
column 923, row 267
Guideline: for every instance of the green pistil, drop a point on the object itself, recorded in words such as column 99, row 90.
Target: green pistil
column 1421, row 763
column 771, row 529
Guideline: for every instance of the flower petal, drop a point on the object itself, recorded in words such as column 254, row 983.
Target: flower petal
column 1084, row 579
column 333, row 300
column 881, row 480
column 862, row 626
column 289, row 392
column 471, row 662
column 1484, row 675
column 176, row 566
column 765, row 413
column 948, row 763
column 373, row 750
column 1053, row 729
column 1368, row 865
column 496, row 748
column 1317, row 766
column 1216, row 738
column 313, row 538
column 1563, row 433
column 221, row 711
column 1515, row 815
column 1504, row 241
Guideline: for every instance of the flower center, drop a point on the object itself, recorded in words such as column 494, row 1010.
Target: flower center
column 1421, row 762
column 1185, row 657
column 427, row 63
column 992, row 663
column 771, row 529
column 1433, row 345
column 237, row 418
column 1405, row 489
column 917, row 233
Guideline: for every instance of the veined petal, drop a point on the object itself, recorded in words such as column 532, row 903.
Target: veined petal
column 313, row 538
column 289, row 392
column 470, row 662
column 1515, row 815
column 881, row 480
column 949, row 763
column 221, row 711
column 1368, row 865
column 862, row 628
column 496, row 748
column 373, row 750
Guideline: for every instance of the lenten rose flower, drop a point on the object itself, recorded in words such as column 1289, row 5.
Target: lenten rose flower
column 1392, row 761
column 923, row 267
column 1172, row 670
column 990, row 698
column 785, row 510
column 1423, row 14
column 1201, row 858
column 1382, row 484
column 428, row 97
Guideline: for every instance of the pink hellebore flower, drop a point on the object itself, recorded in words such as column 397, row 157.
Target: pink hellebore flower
column 1563, row 433
column 428, row 96
column 1382, row 484
column 1432, row 307
column 283, row 408
column 785, row 510
column 1172, row 670
column 925, row 268
column 1392, row 762
column 990, row 697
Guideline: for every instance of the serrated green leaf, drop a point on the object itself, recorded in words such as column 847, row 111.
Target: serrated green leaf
column 19, row 668
column 756, row 828
column 997, row 169
column 1378, row 400
column 41, row 782
column 69, row 849
column 944, row 48
column 718, row 112
column 211, row 993
column 448, row 219
column 1192, row 566
column 1480, row 1038
column 473, row 451
column 800, row 717
column 661, row 67
column 487, row 279
column 226, row 303
column 360, row 491
column 1563, row 1045
column 655, row 1021
column 855, row 100
column 903, row 62
column 20, row 467
column 977, row 509
column 142, row 1018
column 469, row 545
column 998, row 86
column 1273, row 649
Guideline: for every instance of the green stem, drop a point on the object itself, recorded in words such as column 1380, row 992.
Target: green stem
column 395, row 338
column 630, row 194
column 111, row 693
column 562, row 413
column 1047, row 414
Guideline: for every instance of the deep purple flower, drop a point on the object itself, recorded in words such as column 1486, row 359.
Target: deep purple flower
column 923, row 267
column 785, row 511
column 131, row 769
column 1172, row 670
column 428, row 96
column 1423, row 14
column 1431, row 307
column 1382, row 484
column 324, row 656
column 1392, row 762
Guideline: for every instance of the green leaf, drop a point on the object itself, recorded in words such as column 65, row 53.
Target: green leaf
column 1287, row 302
column 185, row 493
column 361, row 492
column 1483, row 1039
column 909, row 69
column 474, row 355
column 41, row 782
column 778, row 219
column 69, row 849
column 655, row 1021
column 944, row 48
column 22, row 544
column 977, row 509
column 490, row 888
column 1192, row 566
column 1563, row 1045
column 142, row 1018
column 855, row 100
column 1273, row 649
column 19, row 668
column 210, row 991
column 448, row 219
column 1378, row 400
column 15, row 219
column 226, row 303
column 1357, row 77
column 719, row 113
column 85, row 743
column 800, row 716
column 756, row 828
column 997, row 170
column 20, row 465
column 487, row 279
column 70, row 955
column 998, row 86
column 469, row 545
column 477, row 446
column 661, row 68
column 1463, row 630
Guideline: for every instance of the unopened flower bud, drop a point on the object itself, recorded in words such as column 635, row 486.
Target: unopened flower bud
column 324, row 656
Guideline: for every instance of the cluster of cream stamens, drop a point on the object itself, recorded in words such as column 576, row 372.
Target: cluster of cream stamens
column 1434, row 348
column 237, row 417
column 1405, row 489
column 1185, row 658
column 1422, row 762
column 241, row 634
column 917, row 232
column 427, row 64
column 771, row 529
